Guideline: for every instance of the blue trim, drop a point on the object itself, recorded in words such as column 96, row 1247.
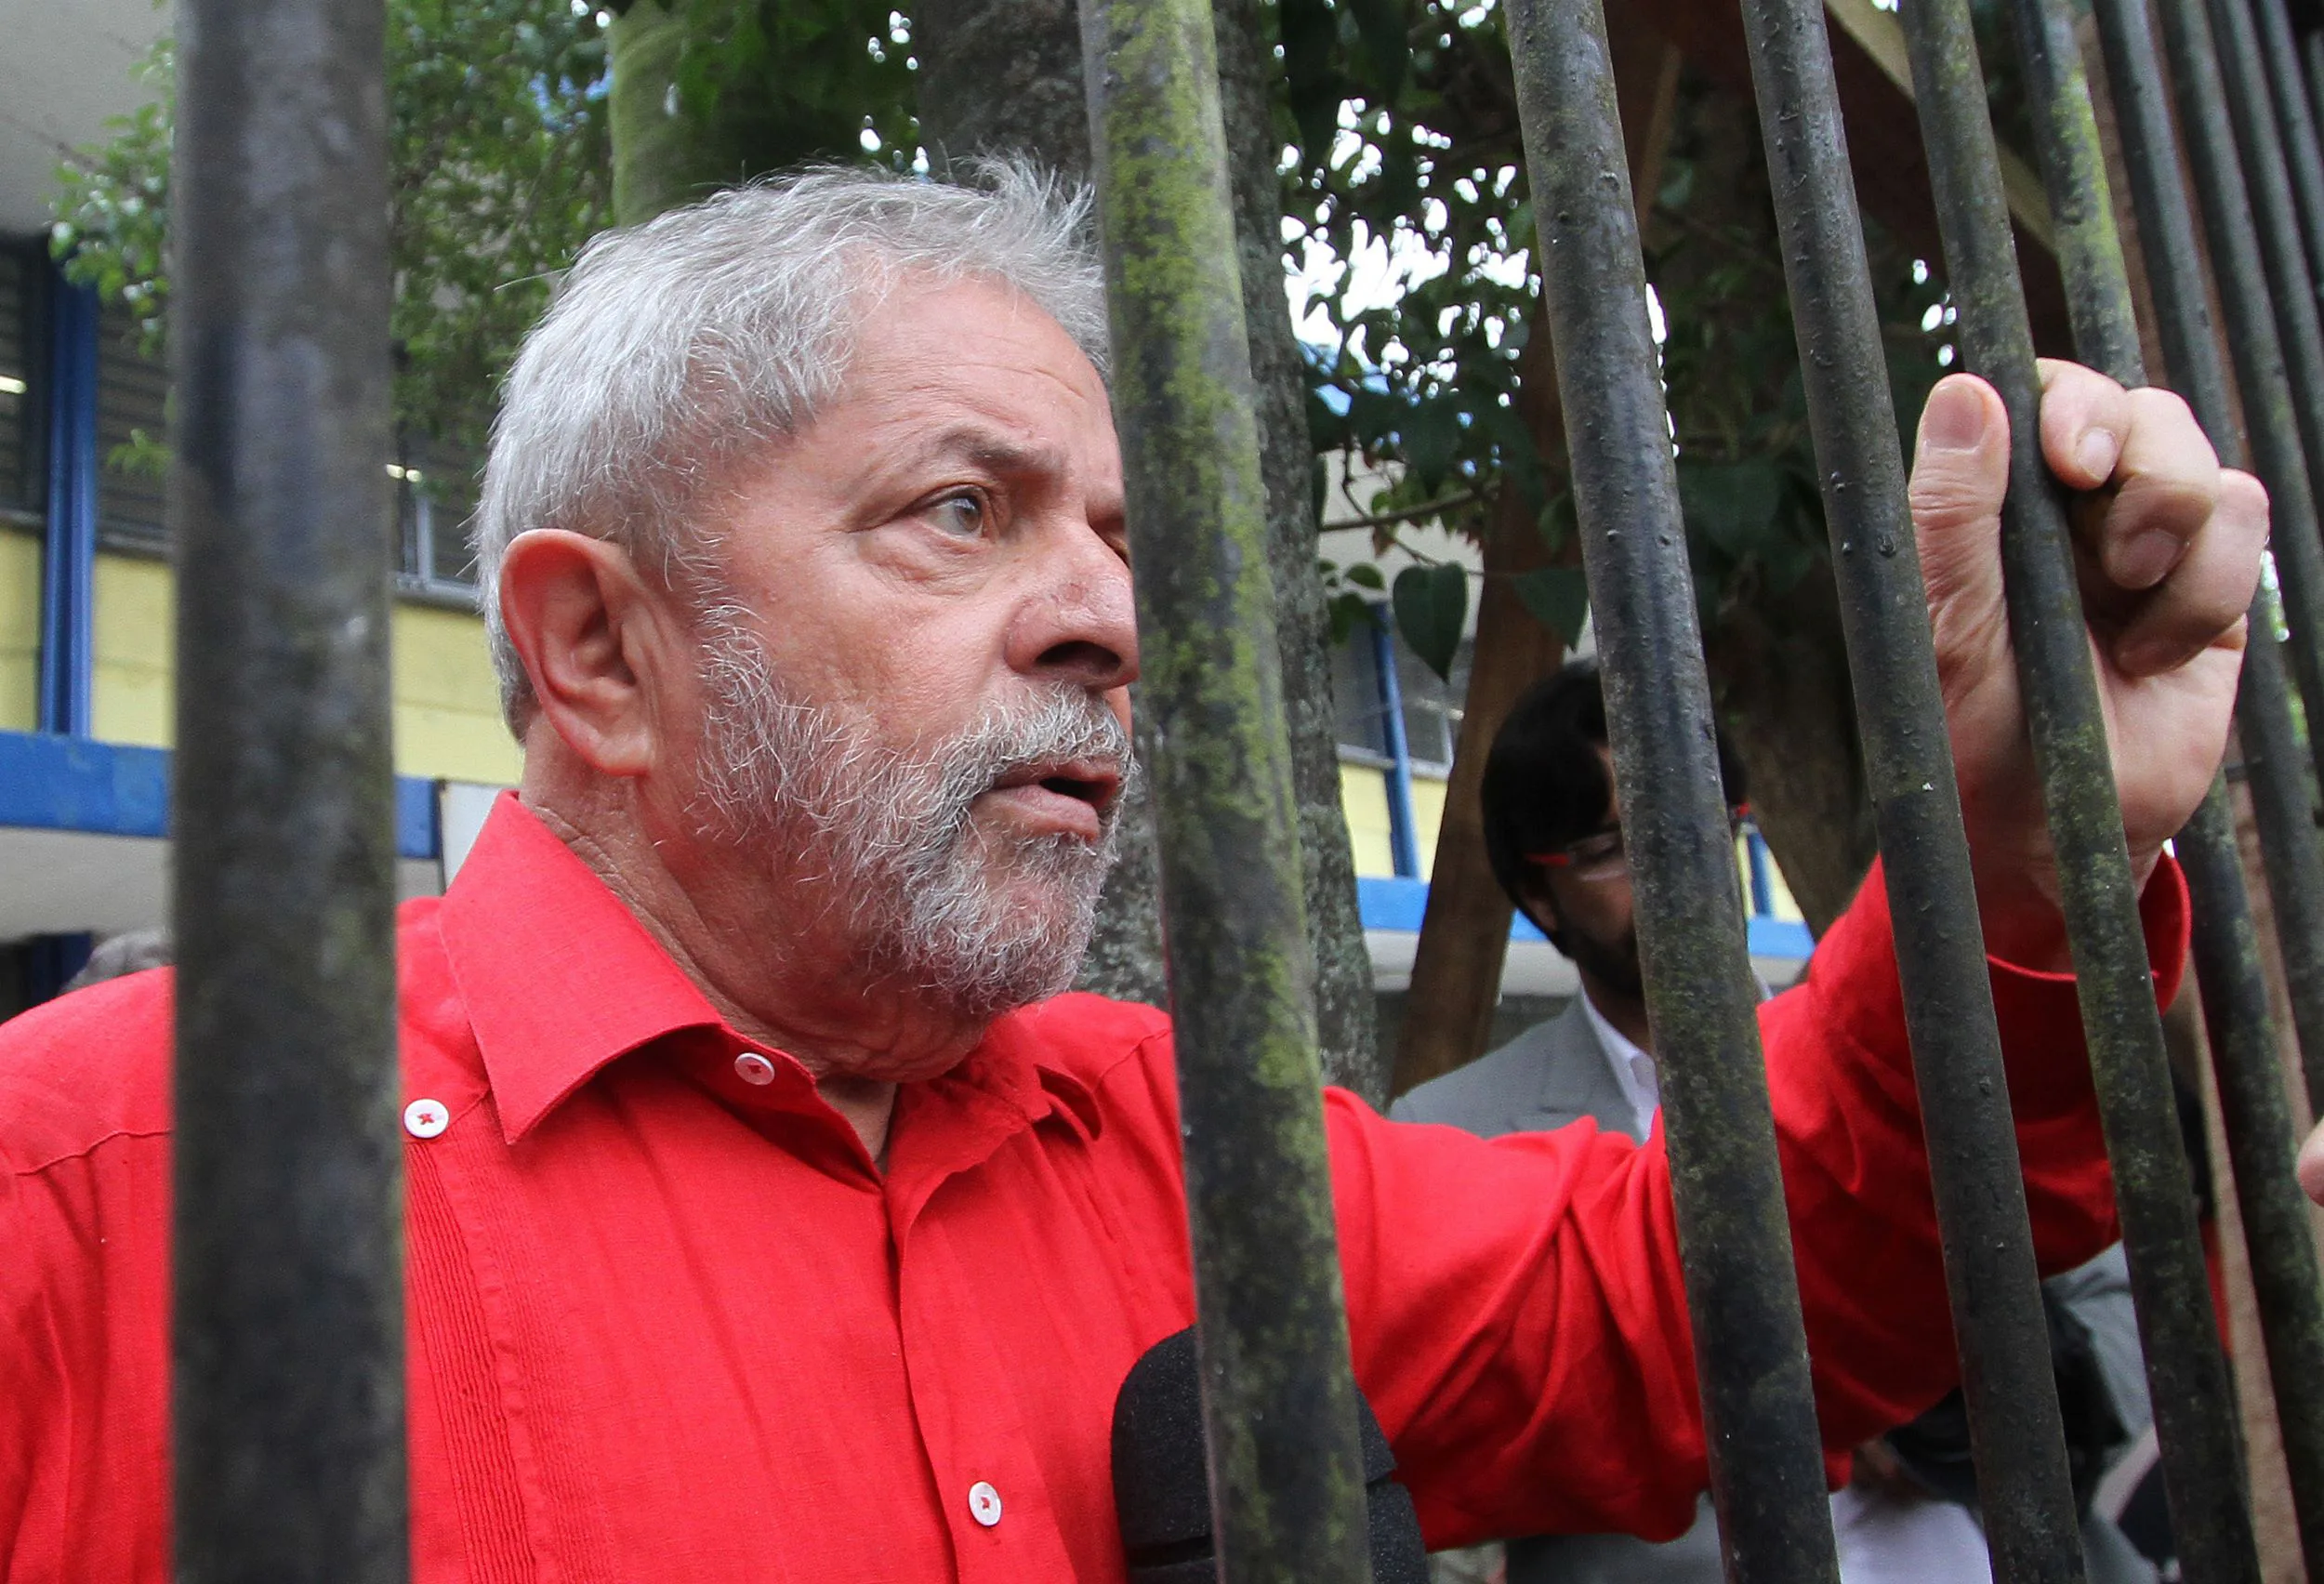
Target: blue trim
column 416, row 832
column 1398, row 904
column 1763, row 880
column 52, row 783
column 1780, row 937
column 68, row 610
column 1386, row 903
column 1403, row 841
column 78, row 783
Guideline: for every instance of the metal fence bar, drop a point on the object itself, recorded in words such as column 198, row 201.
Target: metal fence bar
column 1766, row 1464
column 2273, row 213
column 2234, row 983
column 2271, row 419
column 2153, row 1186
column 2304, row 164
column 1287, row 1475
column 2017, row 1434
column 288, row 1407
column 2260, row 1144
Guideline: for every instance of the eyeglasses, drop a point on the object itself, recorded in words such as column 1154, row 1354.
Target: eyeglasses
column 1600, row 856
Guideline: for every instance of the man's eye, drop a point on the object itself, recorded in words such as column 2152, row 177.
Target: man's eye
column 963, row 514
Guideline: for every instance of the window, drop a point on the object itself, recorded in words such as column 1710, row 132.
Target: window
column 435, row 495
column 1357, row 706
column 22, row 473
column 1432, row 706
column 132, row 436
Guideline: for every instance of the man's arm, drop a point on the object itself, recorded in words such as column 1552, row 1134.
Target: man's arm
column 1517, row 1308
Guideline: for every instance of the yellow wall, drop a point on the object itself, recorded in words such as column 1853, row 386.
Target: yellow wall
column 1364, row 794
column 447, row 703
column 447, row 707
column 20, row 632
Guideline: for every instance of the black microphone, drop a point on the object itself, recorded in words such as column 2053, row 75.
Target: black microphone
column 1162, row 1495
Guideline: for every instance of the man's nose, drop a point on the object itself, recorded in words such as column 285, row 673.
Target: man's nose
column 1079, row 624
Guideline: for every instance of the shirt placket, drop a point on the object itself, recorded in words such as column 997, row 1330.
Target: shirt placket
column 997, row 1506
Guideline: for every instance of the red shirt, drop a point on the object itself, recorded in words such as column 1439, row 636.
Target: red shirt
column 668, row 1323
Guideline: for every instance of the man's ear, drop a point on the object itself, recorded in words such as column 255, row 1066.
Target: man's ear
column 1537, row 907
column 592, row 635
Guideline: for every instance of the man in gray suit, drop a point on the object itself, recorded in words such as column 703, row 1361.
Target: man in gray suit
column 1552, row 834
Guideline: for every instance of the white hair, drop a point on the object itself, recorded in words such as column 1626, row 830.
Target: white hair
column 675, row 347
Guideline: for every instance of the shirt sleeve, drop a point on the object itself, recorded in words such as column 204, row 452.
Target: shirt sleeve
column 1515, row 1305
column 83, row 1289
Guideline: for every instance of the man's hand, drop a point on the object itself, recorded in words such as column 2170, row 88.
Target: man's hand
column 2168, row 543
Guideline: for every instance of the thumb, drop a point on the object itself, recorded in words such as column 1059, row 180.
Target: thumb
column 1959, row 473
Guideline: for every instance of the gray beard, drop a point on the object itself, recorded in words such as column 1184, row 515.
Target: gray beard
column 882, row 836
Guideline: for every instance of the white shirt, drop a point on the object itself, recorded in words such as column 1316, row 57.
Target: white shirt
column 1634, row 1071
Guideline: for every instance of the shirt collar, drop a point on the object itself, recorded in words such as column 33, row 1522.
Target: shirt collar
column 560, row 980
column 559, row 977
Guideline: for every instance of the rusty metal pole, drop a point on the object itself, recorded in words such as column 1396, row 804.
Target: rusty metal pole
column 1287, row 1475
column 2263, row 342
column 2018, row 1432
column 288, row 1406
column 2227, row 949
column 1751, row 1353
column 2154, row 1188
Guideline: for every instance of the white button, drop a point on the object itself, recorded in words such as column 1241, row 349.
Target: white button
column 984, row 1503
column 753, row 1068
column 425, row 1119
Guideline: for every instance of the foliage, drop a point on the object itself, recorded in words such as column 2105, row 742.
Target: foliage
column 844, row 69
column 497, row 171
column 1417, row 156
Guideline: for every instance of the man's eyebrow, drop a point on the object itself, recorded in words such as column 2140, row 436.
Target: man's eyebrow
column 993, row 453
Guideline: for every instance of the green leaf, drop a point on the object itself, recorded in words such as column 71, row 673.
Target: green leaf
column 1431, row 433
column 1557, row 597
column 1734, row 504
column 1381, row 26
column 1431, row 605
column 1364, row 574
column 1347, row 610
column 1556, row 520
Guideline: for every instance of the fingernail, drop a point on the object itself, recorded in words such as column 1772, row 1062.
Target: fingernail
column 2141, row 562
column 1954, row 419
column 2098, row 451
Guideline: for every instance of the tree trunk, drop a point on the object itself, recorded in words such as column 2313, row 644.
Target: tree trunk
column 1779, row 675
column 1346, row 1013
column 1002, row 76
column 999, row 75
column 662, row 156
column 1465, row 933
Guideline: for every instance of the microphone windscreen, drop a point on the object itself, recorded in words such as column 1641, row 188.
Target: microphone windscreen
column 1162, row 1493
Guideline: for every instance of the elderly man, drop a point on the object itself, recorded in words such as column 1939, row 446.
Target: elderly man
column 771, row 1214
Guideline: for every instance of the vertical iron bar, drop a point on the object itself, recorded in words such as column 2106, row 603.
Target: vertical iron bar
column 2234, row 983
column 2248, row 1075
column 288, row 1402
column 2270, row 414
column 1766, row 1464
column 2154, row 1188
column 2304, row 164
column 1286, row 1480
column 2018, row 1432
column 2267, row 186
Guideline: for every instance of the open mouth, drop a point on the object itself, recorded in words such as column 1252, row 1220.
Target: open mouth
column 1096, row 785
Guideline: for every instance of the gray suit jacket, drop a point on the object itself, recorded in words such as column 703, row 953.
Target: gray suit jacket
column 1553, row 1074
